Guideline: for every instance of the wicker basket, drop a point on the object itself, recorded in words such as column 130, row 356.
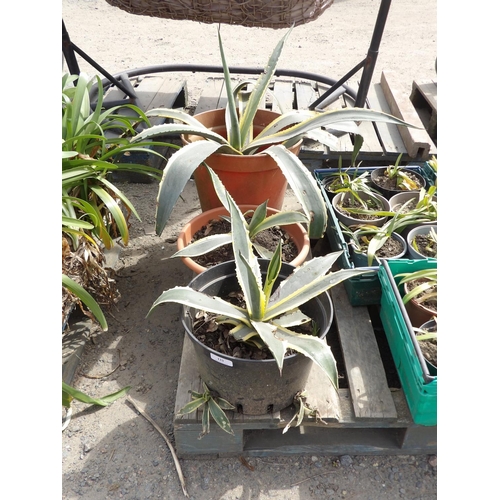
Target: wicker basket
column 251, row 13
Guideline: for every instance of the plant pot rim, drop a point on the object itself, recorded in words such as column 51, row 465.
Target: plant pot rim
column 424, row 228
column 272, row 115
column 227, row 357
column 201, row 219
column 361, row 221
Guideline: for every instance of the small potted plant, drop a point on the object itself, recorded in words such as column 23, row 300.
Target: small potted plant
column 420, row 297
column 234, row 141
column 422, row 242
column 260, row 308
column 394, row 179
column 263, row 221
column 427, row 340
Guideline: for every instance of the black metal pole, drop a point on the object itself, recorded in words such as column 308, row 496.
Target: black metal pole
column 372, row 55
column 69, row 53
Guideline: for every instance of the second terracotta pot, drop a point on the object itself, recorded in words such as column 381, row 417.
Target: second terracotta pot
column 250, row 179
column 296, row 231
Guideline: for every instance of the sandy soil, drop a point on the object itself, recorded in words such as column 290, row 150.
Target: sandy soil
column 115, row 453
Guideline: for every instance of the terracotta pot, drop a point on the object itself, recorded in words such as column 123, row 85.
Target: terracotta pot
column 250, row 179
column 296, row 231
column 418, row 313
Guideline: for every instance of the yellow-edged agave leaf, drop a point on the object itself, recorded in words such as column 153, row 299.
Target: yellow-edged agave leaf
column 279, row 219
column 304, row 187
column 178, row 171
column 293, row 318
column 203, row 246
column 314, row 348
column 278, row 346
column 219, row 416
column 305, row 283
column 193, row 405
column 193, row 298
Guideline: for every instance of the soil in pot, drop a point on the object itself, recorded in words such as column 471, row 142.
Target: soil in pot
column 388, row 187
column 429, row 347
column 425, row 245
column 268, row 239
column 351, row 203
column 394, row 247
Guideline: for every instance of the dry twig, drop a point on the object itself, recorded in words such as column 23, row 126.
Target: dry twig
column 164, row 436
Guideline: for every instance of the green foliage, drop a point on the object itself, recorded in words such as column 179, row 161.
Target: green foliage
column 212, row 407
column 426, row 288
column 367, row 238
column 70, row 393
column 86, row 298
column 94, row 140
column 284, row 132
column 403, row 180
column 302, row 409
column 268, row 317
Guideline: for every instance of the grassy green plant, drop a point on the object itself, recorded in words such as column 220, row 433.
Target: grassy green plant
column 287, row 130
column 267, row 317
column 367, row 238
column 403, row 181
column 430, row 249
column 426, row 285
column 94, row 140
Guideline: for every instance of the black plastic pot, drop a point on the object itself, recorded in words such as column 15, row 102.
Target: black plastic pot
column 388, row 193
column 253, row 386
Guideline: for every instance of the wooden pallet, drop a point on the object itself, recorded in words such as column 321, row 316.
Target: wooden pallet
column 369, row 418
column 382, row 143
column 424, row 97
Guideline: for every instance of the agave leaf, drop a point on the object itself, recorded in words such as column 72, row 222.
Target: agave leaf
column 323, row 137
column 418, row 290
column 205, row 421
column 278, row 346
column 243, row 332
column 192, row 406
column 279, row 219
column 232, row 123
column 258, row 217
column 246, row 121
column 304, row 186
column 178, row 171
column 313, row 347
column 225, row 405
column 87, row 299
column 174, row 114
column 193, row 298
column 306, row 290
column 219, row 416
column 292, row 318
column 203, row 246
column 250, row 284
column 177, row 128
column 273, row 272
column 326, row 119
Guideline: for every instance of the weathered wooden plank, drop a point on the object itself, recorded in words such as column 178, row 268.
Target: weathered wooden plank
column 417, row 141
column 371, row 397
column 211, row 95
column 428, row 90
column 283, row 96
column 391, row 138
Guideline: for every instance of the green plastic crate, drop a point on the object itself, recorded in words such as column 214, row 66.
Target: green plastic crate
column 419, row 385
column 362, row 290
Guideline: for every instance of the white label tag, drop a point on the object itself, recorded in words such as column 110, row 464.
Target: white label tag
column 220, row 360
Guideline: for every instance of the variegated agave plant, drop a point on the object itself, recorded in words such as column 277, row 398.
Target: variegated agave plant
column 287, row 130
column 268, row 316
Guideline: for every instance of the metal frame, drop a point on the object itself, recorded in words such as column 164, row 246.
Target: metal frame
column 336, row 89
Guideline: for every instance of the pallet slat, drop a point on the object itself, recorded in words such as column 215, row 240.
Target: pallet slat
column 417, row 141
